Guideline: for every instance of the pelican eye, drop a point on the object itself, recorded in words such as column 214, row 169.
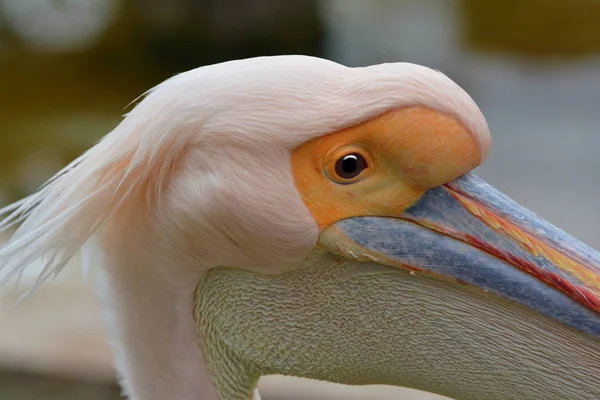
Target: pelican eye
column 350, row 166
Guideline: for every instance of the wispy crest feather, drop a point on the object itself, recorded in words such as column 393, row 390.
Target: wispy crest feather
column 75, row 203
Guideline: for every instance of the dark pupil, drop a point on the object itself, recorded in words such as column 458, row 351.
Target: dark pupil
column 350, row 166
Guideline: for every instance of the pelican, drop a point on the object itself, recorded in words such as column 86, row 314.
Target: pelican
column 290, row 215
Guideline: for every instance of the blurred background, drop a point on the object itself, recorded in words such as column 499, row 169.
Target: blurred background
column 69, row 68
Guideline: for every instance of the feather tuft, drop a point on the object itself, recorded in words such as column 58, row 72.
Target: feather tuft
column 76, row 203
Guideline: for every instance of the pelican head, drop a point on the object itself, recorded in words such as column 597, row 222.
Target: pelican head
column 290, row 215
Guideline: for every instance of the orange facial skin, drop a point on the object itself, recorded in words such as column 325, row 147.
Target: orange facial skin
column 407, row 151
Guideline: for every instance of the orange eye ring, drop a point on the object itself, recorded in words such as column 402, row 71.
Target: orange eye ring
column 347, row 165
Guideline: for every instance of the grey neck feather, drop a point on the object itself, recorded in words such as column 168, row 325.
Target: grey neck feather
column 361, row 323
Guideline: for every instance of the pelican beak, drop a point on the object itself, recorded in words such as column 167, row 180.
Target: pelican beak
column 468, row 232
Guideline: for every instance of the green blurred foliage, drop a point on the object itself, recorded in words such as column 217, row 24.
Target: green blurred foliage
column 534, row 28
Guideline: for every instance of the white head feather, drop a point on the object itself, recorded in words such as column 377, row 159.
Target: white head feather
column 224, row 133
